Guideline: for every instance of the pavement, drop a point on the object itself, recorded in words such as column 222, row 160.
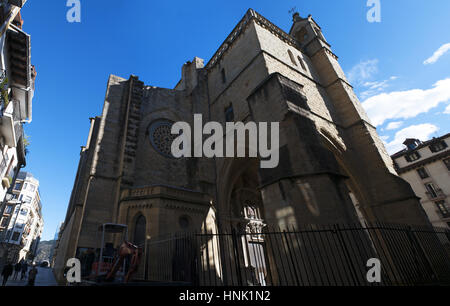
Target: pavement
column 43, row 278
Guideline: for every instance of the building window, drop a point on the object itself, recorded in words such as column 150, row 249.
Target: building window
column 4, row 222
column 17, row 187
column 161, row 137
column 443, row 208
column 319, row 33
column 140, row 231
column 431, row 190
column 302, row 62
column 422, row 173
column 412, row 157
column 32, row 188
column 8, row 209
column 15, row 236
column 27, row 199
column 302, row 35
column 252, row 212
column 292, row 58
column 447, row 163
column 229, row 114
column 438, row 146
column 224, row 77
column 24, row 212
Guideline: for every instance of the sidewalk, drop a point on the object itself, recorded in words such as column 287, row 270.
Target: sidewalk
column 43, row 278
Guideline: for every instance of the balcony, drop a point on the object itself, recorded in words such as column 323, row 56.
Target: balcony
column 6, row 182
column 437, row 194
column 20, row 71
column 445, row 215
column 7, row 129
column 7, row 109
column 3, row 164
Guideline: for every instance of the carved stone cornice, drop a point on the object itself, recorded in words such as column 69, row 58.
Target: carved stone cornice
column 166, row 192
column 168, row 197
column 164, row 203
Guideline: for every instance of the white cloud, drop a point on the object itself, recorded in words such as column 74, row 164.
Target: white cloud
column 394, row 125
column 384, row 139
column 362, row 71
column 447, row 110
column 376, row 87
column 420, row 131
column 406, row 104
column 437, row 54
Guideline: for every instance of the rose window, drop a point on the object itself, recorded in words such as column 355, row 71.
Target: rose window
column 161, row 138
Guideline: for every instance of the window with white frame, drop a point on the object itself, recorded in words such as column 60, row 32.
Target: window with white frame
column 431, row 189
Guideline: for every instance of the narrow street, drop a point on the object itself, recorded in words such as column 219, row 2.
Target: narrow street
column 43, row 278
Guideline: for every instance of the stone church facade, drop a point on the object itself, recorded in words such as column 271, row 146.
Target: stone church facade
column 333, row 167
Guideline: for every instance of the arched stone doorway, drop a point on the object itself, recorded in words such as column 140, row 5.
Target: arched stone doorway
column 244, row 216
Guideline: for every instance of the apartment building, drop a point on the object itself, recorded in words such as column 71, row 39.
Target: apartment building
column 17, row 85
column 23, row 218
column 426, row 166
column 17, row 79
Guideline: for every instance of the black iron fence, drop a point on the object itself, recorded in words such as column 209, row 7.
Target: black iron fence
column 335, row 255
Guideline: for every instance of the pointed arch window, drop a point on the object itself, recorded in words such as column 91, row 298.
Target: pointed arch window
column 302, row 35
column 139, row 231
column 292, row 57
column 302, row 62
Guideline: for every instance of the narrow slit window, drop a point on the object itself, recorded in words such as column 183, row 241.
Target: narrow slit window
column 292, row 57
column 302, row 63
column 224, row 77
column 229, row 114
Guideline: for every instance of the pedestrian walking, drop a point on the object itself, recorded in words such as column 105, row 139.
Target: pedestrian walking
column 6, row 273
column 24, row 270
column 17, row 269
column 32, row 275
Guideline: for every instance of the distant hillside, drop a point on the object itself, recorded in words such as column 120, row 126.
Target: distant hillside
column 44, row 250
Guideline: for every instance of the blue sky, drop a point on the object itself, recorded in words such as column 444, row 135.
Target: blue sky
column 152, row 39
